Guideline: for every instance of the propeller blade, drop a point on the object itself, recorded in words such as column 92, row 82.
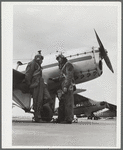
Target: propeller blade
column 100, row 44
column 107, row 60
column 104, row 53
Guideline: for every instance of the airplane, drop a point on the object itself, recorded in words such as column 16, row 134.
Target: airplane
column 87, row 66
column 86, row 107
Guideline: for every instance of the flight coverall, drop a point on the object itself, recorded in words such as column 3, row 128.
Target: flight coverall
column 66, row 108
column 61, row 109
column 33, row 78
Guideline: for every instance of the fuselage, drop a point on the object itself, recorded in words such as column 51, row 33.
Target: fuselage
column 87, row 65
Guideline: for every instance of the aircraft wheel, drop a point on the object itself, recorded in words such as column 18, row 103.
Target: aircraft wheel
column 75, row 120
column 95, row 118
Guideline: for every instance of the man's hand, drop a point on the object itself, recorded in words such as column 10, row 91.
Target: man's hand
column 50, row 78
column 54, row 79
column 23, row 81
column 65, row 89
column 59, row 93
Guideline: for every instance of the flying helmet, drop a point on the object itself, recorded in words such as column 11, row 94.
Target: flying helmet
column 60, row 56
column 63, row 60
column 38, row 56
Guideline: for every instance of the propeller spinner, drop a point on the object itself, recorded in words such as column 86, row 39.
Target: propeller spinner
column 104, row 53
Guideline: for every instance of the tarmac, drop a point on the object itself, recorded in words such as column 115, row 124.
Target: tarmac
column 84, row 134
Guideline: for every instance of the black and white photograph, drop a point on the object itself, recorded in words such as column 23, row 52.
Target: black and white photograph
column 61, row 75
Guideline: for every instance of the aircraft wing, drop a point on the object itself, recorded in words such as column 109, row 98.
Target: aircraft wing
column 79, row 99
column 14, row 104
column 88, row 106
column 17, row 78
column 111, row 107
column 21, row 94
column 17, row 81
column 79, row 91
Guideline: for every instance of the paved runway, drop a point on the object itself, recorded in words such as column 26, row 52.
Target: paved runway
column 85, row 133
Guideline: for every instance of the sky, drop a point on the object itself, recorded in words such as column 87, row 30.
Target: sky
column 67, row 26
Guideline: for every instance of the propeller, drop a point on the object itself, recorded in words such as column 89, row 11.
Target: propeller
column 104, row 53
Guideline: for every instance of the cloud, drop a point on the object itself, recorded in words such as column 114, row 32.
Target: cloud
column 51, row 26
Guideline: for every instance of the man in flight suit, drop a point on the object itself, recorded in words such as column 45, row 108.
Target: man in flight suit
column 33, row 78
column 66, row 104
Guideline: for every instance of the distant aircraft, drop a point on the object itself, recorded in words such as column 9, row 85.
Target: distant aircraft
column 87, row 66
column 85, row 107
